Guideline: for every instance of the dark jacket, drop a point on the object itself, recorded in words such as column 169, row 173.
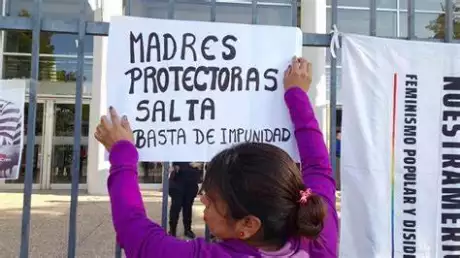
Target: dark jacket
column 185, row 174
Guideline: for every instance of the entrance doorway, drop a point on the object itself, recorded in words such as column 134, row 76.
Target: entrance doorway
column 54, row 145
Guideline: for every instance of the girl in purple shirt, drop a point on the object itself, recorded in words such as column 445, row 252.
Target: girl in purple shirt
column 256, row 200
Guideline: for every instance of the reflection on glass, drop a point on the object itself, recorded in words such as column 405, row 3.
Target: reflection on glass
column 50, row 43
column 426, row 5
column 37, row 147
column 57, row 75
column 21, row 41
column 192, row 12
column 234, row 14
column 276, row 12
column 36, row 166
column 437, row 24
column 357, row 21
column 151, row 172
column 427, row 25
column 339, row 119
column 457, row 23
column 338, row 84
column 201, row 176
column 275, row 15
column 366, row 3
column 62, row 164
column 62, row 152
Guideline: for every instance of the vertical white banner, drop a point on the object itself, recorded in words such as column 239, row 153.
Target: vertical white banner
column 12, row 97
column 401, row 149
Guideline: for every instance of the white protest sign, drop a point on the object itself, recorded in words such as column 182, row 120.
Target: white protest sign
column 12, row 97
column 401, row 149
column 190, row 89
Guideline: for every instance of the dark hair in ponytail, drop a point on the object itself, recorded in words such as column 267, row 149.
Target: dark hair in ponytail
column 310, row 217
column 262, row 180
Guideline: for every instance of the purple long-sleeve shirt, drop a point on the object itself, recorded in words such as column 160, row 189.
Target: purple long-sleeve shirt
column 141, row 237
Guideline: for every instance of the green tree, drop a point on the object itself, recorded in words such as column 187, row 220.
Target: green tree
column 437, row 26
column 21, row 42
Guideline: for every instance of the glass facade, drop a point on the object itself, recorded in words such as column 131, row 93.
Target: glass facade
column 58, row 68
column 58, row 58
column 62, row 142
column 354, row 17
column 58, row 52
column 57, row 76
column 269, row 12
column 52, row 43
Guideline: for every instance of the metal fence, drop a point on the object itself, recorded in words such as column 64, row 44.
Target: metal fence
column 36, row 23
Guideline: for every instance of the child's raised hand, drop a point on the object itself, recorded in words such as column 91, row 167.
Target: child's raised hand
column 298, row 74
column 109, row 132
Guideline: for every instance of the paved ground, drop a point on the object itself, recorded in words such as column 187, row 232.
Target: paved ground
column 49, row 224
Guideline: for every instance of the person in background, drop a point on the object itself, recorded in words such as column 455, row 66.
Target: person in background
column 83, row 158
column 256, row 199
column 183, row 188
column 337, row 155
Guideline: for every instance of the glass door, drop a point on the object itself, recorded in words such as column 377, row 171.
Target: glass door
column 54, row 145
column 62, row 144
column 150, row 175
column 38, row 151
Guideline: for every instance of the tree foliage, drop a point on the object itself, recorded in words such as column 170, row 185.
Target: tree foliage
column 437, row 26
column 21, row 42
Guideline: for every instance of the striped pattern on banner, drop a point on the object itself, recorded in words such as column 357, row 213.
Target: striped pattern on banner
column 10, row 123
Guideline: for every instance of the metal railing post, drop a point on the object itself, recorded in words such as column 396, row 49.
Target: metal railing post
column 128, row 9
column 165, row 190
column 254, row 10
column 333, row 97
column 30, row 151
column 449, row 21
column 410, row 19
column 75, row 171
column 373, row 20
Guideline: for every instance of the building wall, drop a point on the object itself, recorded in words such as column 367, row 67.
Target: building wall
column 58, row 58
column 58, row 51
column 354, row 17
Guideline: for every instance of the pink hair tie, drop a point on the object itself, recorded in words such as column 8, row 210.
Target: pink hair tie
column 304, row 195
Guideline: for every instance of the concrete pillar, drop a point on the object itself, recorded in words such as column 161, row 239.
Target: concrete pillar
column 313, row 20
column 97, row 165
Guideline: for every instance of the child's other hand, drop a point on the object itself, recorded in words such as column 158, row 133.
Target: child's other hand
column 298, row 74
column 109, row 132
